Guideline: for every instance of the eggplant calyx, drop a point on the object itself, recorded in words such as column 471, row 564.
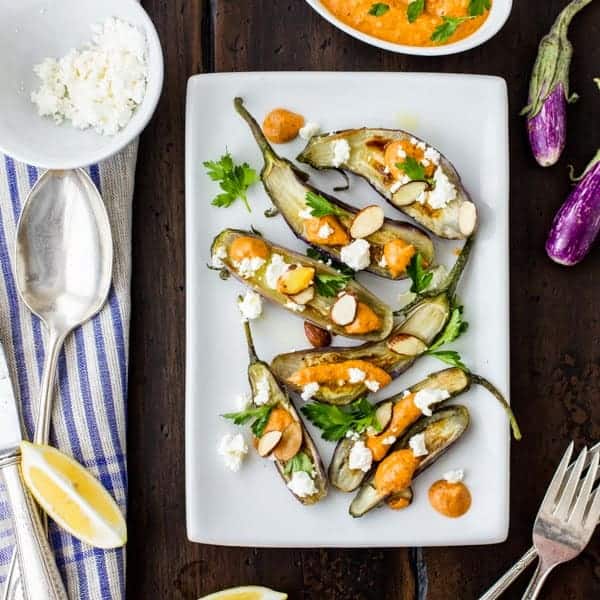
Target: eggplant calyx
column 449, row 285
column 553, row 60
column 490, row 387
column 589, row 167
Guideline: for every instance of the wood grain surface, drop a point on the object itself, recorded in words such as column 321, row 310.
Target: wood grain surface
column 554, row 324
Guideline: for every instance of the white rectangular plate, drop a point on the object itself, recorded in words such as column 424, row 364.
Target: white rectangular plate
column 466, row 118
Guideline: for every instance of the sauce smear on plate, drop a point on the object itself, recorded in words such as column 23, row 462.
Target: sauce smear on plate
column 389, row 20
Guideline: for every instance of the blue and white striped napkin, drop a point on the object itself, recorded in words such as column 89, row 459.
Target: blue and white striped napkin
column 89, row 416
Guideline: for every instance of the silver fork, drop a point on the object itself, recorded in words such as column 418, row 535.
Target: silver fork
column 506, row 580
column 565, row 522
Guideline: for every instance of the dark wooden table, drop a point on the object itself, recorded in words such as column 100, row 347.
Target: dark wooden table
column 554, row 313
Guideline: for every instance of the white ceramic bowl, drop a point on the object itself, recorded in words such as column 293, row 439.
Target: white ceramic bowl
column 31, row 30
column 496, row 19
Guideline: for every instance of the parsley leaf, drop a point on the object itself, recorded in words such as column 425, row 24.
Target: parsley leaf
column 260, row 414
column 300, row 462
column 453, row 330
column 421, row 277
column 321, row 207
column 414, row 169
column 379, row 9
column 336, row 421
column 450, row 357
column 455, row 327
column 447, row 29
column 478, row 7
column 234, row 180
column 330, row 285
column 327, row 260
column 414, row 10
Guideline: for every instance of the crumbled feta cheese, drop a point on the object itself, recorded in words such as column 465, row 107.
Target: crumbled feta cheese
column 372, row 385
column 263, row 391
column 424, row 399
column 356, row 375
column 425, row 162
column 309, row 130
column 386, row 170
column 295, row 306
column 383, row 262
column 233, row 449
column 302, row 484
column 432, row 155
column 454, row 475
column 247, row 267
column 421, row 198
column 341, row 152
column 396, row 186
column 417, row 445
column 309, row 390
column 275, row 269
column 305, row 213
column 389, row 440
column 443, row 192
column 99, row 86
column 401, row 153
column 353, row 435
column 325, row 231
column 421, row 145
column 243, row 401
column 250, row 306
column 360, row 457
column 357, row 254
column 218, row 256
column 413, row 141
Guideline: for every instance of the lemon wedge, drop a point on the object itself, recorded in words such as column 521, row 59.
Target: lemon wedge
column 247, row 592
column 72, row 497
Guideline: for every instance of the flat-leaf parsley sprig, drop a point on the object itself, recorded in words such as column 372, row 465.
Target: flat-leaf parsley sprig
column 336, row 421
column 234, row 180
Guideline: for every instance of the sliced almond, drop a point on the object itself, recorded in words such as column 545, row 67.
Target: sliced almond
column 344, row 309
column 384, row 415
column 305, row 296
column 408, row 193
column 367, row 221
column 268, row 441
column 467, row 218
column 290, row 443
column 407, row 345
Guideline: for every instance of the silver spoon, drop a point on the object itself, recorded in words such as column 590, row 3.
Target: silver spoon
column 64, row 257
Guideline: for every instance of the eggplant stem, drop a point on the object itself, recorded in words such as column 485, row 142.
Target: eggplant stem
column 266, row 148
column 249, row 341
column 587, row 169
column 490, row 387
column 566, row 16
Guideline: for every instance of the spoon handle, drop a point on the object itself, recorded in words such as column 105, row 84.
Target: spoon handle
column 44, row 416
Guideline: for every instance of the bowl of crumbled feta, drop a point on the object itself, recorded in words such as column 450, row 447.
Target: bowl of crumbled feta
column 82, row 79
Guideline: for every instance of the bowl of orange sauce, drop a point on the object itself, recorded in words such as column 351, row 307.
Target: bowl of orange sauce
column 421, row 27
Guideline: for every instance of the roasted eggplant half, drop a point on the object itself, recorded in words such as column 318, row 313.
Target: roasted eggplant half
column 392, row 356
column 279, row 432
column 391, row 243
column 441, row 430
column 404, row 410
column 402, row 414
column 423, row 321
column 407, row 172
column 303, row 286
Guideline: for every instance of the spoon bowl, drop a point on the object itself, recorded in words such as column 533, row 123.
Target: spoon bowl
column 64, row 250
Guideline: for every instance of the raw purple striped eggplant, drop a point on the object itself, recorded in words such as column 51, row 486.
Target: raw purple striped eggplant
column 549, row 90
column 577, row 223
